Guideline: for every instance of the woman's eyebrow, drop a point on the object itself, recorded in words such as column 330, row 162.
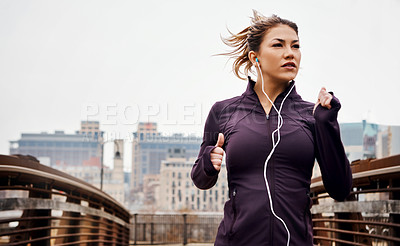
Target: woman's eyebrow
column 283, row 41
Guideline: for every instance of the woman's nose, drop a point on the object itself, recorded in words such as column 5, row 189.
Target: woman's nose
column 289, row 52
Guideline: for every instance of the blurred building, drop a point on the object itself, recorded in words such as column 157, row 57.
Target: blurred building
column 364, row 140
column 77, row 154
column 177, row 191
column 113, row 183
column 151, row 188
column 150, row 147
column 59, row 148
column 88, row 171
column 388, row 141
column 352, row 138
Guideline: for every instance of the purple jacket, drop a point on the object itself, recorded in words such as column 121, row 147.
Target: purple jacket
column 247, row 130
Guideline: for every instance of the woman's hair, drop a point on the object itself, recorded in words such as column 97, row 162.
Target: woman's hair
column 250, row 39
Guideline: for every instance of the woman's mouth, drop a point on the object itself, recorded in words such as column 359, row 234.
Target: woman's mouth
column 289, row 65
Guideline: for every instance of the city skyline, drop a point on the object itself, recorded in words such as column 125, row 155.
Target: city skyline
column 63, row 62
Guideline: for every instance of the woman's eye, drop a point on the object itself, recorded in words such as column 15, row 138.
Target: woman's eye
column 296, row 46
column 277, row 45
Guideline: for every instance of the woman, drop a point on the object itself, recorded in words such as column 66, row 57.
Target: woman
column 271, row 147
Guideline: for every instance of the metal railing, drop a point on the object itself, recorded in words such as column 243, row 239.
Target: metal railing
column 174, row 228
column 43, row 206
column 370, row 215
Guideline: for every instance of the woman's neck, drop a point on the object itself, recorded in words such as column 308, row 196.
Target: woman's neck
column 272, row 88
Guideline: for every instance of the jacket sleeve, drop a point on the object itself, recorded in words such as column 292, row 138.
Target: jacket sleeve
column 203, row 174
column 330, row 154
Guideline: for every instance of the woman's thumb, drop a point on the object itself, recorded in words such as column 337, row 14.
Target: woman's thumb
column 220, row 140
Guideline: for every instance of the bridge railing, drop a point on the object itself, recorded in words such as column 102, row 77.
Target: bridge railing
column 155, row 229
column 370, row 215
column 43, row 206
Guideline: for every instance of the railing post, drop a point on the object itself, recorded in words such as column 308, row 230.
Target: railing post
column 144, row 231
column 152, row 233
column 184, row 229
column 39, row 212
column 135, row 228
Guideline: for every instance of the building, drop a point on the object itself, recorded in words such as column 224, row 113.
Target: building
column 352, row 138
column 177, row 191
column 114, row 183
column 59, row 148
column 151, row 190
column 388, row 141
column 150, row 147
column 364, row 140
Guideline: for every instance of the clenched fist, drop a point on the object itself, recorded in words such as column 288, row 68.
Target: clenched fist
column 217, row 153
column 324, row 98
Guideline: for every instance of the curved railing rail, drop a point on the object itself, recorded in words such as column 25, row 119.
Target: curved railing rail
column 370, row 215
column 43, row 206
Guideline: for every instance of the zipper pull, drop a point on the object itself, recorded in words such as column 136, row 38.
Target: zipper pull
column 234, row 192
column 267, row 116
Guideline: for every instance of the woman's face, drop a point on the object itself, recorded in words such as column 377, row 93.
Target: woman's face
column 279, row 54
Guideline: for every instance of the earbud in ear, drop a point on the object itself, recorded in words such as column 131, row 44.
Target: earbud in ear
column 256, row 59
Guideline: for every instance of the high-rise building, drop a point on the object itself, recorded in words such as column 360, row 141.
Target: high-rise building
column 60, row 148
column 150, row 147
column 177, row 191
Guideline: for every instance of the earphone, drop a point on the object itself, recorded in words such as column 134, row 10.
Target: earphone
column 280, row 124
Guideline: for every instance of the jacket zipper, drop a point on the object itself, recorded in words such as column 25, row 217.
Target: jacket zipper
column 306, row 212
column 234, row 210
column 271, row 220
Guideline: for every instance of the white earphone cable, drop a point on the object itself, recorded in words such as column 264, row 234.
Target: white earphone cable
column 277, row 130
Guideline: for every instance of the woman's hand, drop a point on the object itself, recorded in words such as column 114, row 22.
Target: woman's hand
column 217, row 153
column 324, row 98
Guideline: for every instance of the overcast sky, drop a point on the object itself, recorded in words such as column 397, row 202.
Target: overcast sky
column 124, row 61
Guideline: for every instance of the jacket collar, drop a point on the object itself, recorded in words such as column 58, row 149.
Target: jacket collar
column 252, row 95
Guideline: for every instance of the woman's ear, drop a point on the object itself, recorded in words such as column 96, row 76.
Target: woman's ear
column 252, row 57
